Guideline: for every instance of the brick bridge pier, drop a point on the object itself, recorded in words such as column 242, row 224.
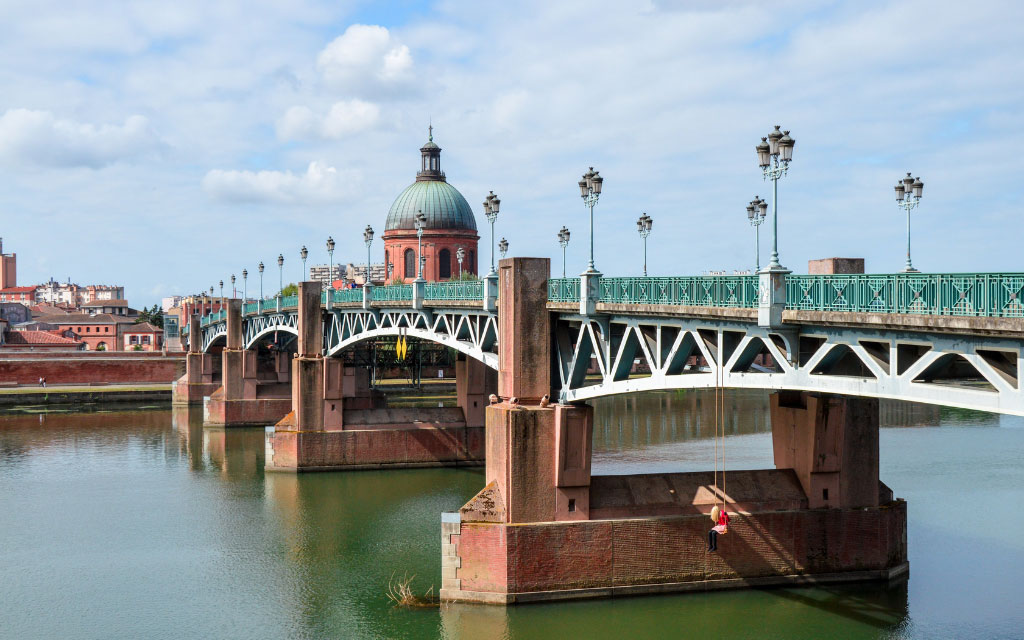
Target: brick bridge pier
column 544, row 528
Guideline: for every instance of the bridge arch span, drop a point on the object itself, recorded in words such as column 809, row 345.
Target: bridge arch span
column 596, row 357
column 472, row 332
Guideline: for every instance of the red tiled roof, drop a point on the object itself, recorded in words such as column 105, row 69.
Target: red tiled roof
column 142, row 327
column 17, row 290
column 38, row 337
column 106, row 303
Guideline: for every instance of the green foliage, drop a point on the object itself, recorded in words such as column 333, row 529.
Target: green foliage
column 153, row 316
column 136, row 347
column 467, row 276
column 396, row 280
column 101, row 347
column 290, row 290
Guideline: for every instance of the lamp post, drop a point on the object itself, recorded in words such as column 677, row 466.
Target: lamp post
column 756, row 211
column 773, row 156
column 245, row 285
column 491, row 206
column 260, row 268
column 643, row 227
column 908, row 196
column 330, row 269
column 503, row 247
column 280, row 274
column 368, row 239
column 421, row 222
column 563, row 240
column 303, row 253
column 460, row 255
column 590, row 191
column 222, row 292
column 234, row 292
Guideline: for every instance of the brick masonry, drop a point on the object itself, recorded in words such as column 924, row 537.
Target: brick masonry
column 78, row 370
column 505, row 563
column 353, row 449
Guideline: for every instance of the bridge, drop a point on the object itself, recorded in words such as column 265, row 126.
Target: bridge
column 950, row 339
column 542, row 527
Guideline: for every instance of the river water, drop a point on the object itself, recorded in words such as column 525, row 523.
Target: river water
column 142, row 524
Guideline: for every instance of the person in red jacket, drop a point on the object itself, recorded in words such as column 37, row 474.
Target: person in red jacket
column 722, row 526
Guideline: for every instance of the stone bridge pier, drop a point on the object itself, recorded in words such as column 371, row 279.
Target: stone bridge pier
column 543, row 528
column 248, row 396
column 336, row 422
column 202, row 371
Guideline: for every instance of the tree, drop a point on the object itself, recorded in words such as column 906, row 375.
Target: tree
column 290, row 290
column 153, row 316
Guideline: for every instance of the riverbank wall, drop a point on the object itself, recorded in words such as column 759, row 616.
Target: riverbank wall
column 83, row 368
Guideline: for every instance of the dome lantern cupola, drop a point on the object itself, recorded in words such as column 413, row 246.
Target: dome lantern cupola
column 430, row 160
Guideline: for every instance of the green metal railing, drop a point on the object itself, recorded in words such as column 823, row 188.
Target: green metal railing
column 993, row 295
column 564, row 289
column 348, row 295
column 393, row 293
column 454, row 290
column 696, row 291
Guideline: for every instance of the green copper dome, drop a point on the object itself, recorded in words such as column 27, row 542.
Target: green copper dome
column 441, row 203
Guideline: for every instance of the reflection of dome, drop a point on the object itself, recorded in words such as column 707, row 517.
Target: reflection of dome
column 441, row 203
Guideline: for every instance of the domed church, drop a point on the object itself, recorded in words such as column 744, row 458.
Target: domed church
column 449, row 225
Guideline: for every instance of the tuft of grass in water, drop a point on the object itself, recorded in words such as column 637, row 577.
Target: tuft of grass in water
column 400, row 593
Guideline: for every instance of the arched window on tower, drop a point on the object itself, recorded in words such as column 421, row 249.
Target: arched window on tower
column 472, row 261
column 387, row 272
column 444, row 264
column 410, row 263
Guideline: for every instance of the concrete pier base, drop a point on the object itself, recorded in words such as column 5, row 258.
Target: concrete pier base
column 202, row 373
column 773, row 539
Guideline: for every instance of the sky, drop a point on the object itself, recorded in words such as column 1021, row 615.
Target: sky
column 167, row 146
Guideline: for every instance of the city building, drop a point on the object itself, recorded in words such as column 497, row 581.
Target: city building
column 357, row 274
column 22, row 295
column 69, row 294
column 449, row 225
column 8, row 268
column 142, row 337
column 102, row 332
column 113, row 307
column 35, row 340
column 325, row 273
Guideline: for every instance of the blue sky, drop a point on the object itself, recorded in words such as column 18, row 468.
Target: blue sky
column 166, row 147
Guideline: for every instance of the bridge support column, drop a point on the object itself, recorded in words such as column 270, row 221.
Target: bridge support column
column 241, row 401
column 543, row 528
column 831, row 443
column 336, row 425
column 201, row 378
column 474, row 383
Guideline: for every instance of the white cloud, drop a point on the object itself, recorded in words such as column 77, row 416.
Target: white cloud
column 344, row 118
column 363, row 58
column 320, row 184
column 39, row 138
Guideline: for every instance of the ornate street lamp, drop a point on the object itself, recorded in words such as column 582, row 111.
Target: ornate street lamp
column 491, row 206
column 590, row 191
column 773, row 156
column 368, row 239
column 460, row 255
column 280, row 274
column 303, row 253
column 421, row 222
column 245, row 285
column 643, row 227
column 260, row 268
column 756, row 211
column 222, row 292
column 503, row 247
column 563, row 240
column 908, row 196
column 330, row 269
column 234, row 292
